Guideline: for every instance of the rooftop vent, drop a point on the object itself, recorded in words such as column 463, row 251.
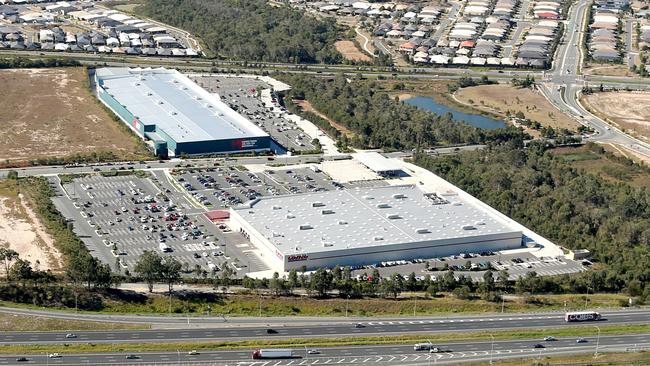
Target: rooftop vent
column 479, row 223
column 327, row 212
column 277, row 207
column 290, row 216
column 469, row 227
column 457, row 204
column 398, row 196
column 368, row 198
column 383, row 205
column 343, row 222
column 306, row 227
column 422, row 231
column 393, row 216
column 378, row 238
column 317, row 204
column 325, row 244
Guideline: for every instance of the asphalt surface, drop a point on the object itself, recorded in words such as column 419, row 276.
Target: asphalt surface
column 321, row 329
column 455, row 352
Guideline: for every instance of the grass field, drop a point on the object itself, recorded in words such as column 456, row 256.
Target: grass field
column 605, row 166
column 15, row 323
column 51, row 113
column 500, row 99
column 249, row 305
column 609, row 70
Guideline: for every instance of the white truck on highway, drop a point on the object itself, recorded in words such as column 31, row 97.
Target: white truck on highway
column 260, row 354
column 582, row 316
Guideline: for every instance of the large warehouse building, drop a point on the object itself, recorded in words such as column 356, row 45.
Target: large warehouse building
column 175, row 115
column 368, row 225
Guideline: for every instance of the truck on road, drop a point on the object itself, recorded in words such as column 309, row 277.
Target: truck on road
column 260, row 354
column 582, row 316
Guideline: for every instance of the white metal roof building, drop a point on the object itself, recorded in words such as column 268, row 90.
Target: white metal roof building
column 368, row 225
column 177, row 115
column 378, row 163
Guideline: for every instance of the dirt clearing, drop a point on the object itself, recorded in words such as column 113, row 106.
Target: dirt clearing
column 502, row 98
column 350, row 51
column 307, row 107
column 629, row 110
column 21, row 230
column 51, row 113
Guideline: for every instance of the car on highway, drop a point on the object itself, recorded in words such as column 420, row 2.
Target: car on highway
column 313, row 352
column 132, row 357
column 193, row 352
column 55, row 355
column 359, row 325
column 271, row 331
column 581, row 340
column 538, row 345
column 437, row 350
column 550, row 339
column 22, row 359
column 71, row 335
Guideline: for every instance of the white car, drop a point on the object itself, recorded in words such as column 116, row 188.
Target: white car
column 55, row 355
column 313, row 352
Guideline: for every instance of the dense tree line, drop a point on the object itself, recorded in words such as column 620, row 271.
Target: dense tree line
column 380, row 121
column 569, row 206
column 22, row 62
column 251, row 29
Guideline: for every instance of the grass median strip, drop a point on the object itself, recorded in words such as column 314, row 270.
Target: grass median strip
column 14, row 323
column 582, row 331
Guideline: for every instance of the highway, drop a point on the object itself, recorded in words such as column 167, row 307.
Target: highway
column 456, row 352
column 231, row 330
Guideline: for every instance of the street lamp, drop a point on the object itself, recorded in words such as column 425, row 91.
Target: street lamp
column 346, row 306
column 597, row 341
column 491, row 348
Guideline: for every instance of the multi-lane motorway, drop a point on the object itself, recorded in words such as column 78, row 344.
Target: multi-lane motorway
column 232, row 330
column 455, row 352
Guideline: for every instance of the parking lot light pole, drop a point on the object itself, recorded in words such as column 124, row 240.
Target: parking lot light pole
column 597, row 341
column 491, row 348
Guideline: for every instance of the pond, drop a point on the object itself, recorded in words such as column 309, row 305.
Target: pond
column 475, row 120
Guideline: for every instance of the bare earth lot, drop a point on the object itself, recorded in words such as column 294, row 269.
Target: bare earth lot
column 21, row 231
column 501, row 98
column 307, row 107
column 629, row 110
column 350, row 51
column 51, row 113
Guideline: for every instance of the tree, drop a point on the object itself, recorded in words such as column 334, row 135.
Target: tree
column 293, row 279
column 149, row 267
column 86, row 269
column 170, row 272
column 277, row 284
column 321, row 281
column 488, row 281
column 21, row 271
column 7, row 256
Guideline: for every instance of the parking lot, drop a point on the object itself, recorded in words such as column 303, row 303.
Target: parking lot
column 121, row 217
column 244, row 95
column 474, row 265
column 228, row 186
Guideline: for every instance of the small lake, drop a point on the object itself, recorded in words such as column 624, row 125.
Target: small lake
column 475, row 120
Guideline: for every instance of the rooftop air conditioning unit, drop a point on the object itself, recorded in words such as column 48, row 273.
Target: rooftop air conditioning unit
column 343, row 222
column 306, row 227
column 479, row 223
column 378, row 238
column 290, row 216
column 468, row 227
column 398, row 196
column 422, row 231
column 327, row 212
column 393, row 216
column 383, row 205
column 317, row 204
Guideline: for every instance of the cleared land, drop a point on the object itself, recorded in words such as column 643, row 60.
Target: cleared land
column 22, row 231
column 307, row 107
column 605, row 165
column 14, row 323
column 609, row 70
column 350, row 51
column 500, row 99
column 51, row 113
column 629, row 110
